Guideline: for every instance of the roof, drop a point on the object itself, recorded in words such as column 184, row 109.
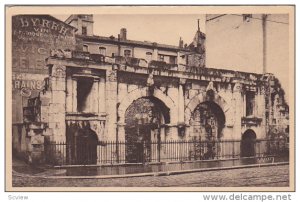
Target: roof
column 114, row 40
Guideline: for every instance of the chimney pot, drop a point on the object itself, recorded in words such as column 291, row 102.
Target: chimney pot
column 123, row 34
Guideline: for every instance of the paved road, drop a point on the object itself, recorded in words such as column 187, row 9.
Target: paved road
column 273, row 176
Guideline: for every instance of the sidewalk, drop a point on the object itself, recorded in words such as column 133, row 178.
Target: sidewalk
column 275, row 176
column 21, row 169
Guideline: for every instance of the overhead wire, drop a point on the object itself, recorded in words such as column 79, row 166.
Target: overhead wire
column 274, row 21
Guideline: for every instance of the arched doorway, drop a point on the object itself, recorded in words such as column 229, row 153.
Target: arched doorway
column 83, row 144
column 144, row 119
column 248, row 143
column 207, row 121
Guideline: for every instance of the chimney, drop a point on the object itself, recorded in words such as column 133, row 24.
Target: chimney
column 180, row 43
column 123, row 34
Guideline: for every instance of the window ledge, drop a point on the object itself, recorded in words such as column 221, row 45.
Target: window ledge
column 251, row 121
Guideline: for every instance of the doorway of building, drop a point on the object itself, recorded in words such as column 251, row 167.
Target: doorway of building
column 248, row 143
column 144, row 119
column 82, row 141
column 208, row 121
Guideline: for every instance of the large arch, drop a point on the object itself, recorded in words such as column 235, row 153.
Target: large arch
column 204, row 97
column 143, row 92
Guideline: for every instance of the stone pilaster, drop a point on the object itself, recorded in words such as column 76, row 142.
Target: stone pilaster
column 58, row 103
column 102, row 95
column 95, row 96
column 155, row 54
column 74, row 94
column 69, row 93
column 238, row 106
column 181, row 100
column 111, row 104
column 261, row 111
column 121, row 138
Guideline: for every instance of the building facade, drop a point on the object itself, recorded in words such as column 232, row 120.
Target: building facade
column 124, row 91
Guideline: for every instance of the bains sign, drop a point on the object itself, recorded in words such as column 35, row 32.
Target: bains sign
column 32, row 38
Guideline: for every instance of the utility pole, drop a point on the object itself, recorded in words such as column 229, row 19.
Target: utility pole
column 264, row 33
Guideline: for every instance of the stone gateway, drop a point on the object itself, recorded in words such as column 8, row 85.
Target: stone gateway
column 125, row 95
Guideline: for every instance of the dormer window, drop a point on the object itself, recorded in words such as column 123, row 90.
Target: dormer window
column 85, row 48
column 127, row 53
column 84, row 30
column 148, row 56
column 172, row 60
column 102, row 51
column 247, row 17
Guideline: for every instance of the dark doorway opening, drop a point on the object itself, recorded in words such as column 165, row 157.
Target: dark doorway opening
column 144, row 119
column 248, row 143
column 83, row 143
column 208, row 121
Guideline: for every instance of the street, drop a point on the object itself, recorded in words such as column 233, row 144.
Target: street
column 273, row 176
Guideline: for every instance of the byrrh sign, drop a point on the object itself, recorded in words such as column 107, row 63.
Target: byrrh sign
column 43, row 25
column 32, row 38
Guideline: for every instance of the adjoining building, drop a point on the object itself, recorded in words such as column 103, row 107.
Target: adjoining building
column 133, row 99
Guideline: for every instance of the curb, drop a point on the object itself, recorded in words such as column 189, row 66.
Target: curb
column 164, row 173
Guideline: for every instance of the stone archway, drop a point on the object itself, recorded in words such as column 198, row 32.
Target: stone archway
column 248, row 143
column 144, row 127
column 205, row 114
column 207, row 121
column 143, row 92
column 205, row 97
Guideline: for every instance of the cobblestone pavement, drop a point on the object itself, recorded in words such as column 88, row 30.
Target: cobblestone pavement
column 273, row 176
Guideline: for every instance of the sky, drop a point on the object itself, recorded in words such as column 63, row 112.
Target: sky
column 160, row 28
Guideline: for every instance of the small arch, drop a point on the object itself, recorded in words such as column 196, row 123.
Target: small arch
column 248, row 143
column 83, row 141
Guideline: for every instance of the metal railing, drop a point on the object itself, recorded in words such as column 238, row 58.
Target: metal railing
column 112, row 152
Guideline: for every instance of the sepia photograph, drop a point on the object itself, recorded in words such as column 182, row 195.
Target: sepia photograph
column 150, row 98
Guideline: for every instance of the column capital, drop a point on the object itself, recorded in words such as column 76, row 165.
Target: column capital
column 111, row 75
column 237, row 87
column 58, row 71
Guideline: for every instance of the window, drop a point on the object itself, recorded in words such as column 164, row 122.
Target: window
column 148, row 56
column 247, row 17
column 161, row 57
column 85, row 48
column 84, row 89
column 127, row 53
column 250, row 103
column 102, row 51
column 84, row 30
column 287, row 129
column 172, row 60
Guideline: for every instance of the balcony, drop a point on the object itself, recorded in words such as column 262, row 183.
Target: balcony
column 140, row 65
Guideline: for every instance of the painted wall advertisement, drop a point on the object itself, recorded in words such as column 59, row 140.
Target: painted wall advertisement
column 33, row 36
